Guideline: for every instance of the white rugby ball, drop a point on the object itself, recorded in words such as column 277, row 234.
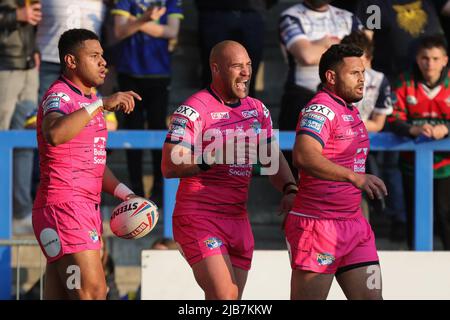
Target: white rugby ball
column 134, row 218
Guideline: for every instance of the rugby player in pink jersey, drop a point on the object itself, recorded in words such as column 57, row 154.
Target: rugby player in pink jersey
column 210, row 220
column 72, row 135
column 327, row 235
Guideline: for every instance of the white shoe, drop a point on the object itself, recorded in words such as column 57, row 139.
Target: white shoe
column 23, row 226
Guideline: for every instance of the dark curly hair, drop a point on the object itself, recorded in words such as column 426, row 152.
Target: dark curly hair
column 432, row 41
column 361, row 40
column 71, row 40
column 335, row 56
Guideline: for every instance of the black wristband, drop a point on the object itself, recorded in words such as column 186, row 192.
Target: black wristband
column 287, row 184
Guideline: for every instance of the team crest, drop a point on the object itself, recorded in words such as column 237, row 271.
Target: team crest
column 213, row 243
column 256, row 126
column 325, row 259
column 93, row 235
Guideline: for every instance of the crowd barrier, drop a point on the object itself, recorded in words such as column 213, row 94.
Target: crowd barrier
column 423, row 237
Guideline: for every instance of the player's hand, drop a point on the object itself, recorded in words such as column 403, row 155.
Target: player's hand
column 439, row 131
column 154, row 13
column 121, row 101
column 370, row 184
column 30, row 14
column 131, row 196
column 287, row 202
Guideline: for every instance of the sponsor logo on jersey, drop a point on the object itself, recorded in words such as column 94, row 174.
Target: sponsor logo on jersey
column 213, row 243
column 220, row 115
column 100, row 150
column 347, row 118
column 178, row 126
column 359, row 162
column 250, row 114
column 313, row 122
column 53, row 101
column 325, row 259
column 188, row 112
column 320, row 108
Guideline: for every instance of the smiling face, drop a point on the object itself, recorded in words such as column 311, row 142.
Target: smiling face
column 348, row 79
column 231, row 69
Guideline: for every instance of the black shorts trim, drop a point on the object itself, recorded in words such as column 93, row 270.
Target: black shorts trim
column 341, row 270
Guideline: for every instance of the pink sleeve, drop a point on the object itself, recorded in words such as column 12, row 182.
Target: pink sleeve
column 316, row 121
column 184, row 127
column 57, row 102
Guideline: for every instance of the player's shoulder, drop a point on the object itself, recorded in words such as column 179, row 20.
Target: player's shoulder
column 195, row 106
column 324, row 104
column 57, row 93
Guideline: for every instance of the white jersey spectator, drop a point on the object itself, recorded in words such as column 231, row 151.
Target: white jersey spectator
column 377, row 97
column 376, row 103
column 303, row 22
column 307, row 30
column 61, row 15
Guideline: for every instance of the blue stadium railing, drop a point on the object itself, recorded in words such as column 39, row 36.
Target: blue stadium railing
column 9, row 140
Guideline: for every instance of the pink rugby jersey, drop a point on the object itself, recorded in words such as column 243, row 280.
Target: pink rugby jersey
column 223, row 189
column 72, row 171
column 343, row 136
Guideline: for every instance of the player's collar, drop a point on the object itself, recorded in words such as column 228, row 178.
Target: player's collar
column 74, row 87
column 336, row 98
column 231, row 105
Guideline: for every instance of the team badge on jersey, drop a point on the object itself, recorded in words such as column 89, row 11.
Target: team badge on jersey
column 94, row 236
column 256, row 126
column 325, row 259
column 250, row 114
column 213, row 243
column 178, row 127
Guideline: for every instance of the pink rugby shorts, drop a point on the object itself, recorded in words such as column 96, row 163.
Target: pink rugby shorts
column 201, row 236
column 67, row 227
column 329, row 245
